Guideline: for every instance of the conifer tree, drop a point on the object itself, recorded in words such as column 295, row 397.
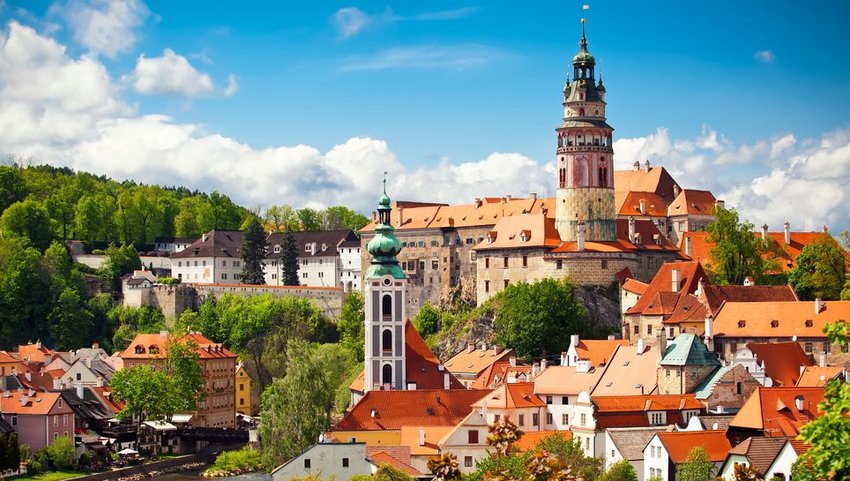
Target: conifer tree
column 253, row 252
column 289, row 259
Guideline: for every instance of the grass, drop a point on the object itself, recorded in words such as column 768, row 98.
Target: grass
column 51, row 476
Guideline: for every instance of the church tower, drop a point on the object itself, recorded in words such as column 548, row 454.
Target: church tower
column 585, row 156
column 384, row 292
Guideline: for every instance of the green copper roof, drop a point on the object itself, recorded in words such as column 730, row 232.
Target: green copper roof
column 384, row 247
column 688, row 350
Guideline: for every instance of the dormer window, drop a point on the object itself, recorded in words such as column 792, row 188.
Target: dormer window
column 774, row 323
column 809, row 323
column 742, row 323
column 324, row 247
column 525, row 235
column 140, row 350
column 153, row 349
column 277, row 248
column 491, row 236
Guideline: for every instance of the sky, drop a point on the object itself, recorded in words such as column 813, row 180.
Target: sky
column 308, row 103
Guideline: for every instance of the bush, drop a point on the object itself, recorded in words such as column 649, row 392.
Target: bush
column 97, row 252
column 61, row 452
column 168, row 281
column 228, row 463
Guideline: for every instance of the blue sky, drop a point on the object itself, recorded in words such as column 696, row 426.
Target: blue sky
column 728, row 95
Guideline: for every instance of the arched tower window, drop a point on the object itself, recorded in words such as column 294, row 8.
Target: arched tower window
column 387, row 307
column 387, row 374
column 387, row 340
column 562, row 177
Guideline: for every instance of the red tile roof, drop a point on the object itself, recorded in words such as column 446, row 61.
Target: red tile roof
column 818, row 375
column 692, row 202
column 655, row 179
column 782, row 360
column 40, row 403
column 530, row 439
column 659, row 402
column 159, row 342
column 598, row 351
column 755, row 320
column 383, row 458
column 654, row 205
column 679, row 444
column 773, row 410
column 635, row 286
column 34, row 352
column 714, row 296
column 688, row 310
column 521, row 231
column 394, row 409
column 477, row 360
column 657, row 296
column 511, row 396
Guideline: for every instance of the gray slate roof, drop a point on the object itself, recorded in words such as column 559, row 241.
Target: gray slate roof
column 631, row 441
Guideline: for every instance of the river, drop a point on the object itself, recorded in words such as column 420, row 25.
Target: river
column 195, row 475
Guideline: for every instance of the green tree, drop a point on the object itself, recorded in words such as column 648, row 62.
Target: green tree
column 620, row 471
column 341, row 217
column 119, row 261
column 829, row 455
column 280, row 218
column 70, row 322
column 289, row 260
column 147, row 393
column 310, row 219
column 427, row 320
column 25, row 293
column 61, row 452
column 444, row 467
column 571, row 454
column 820, row 271
column 29, row 220
column 351, row 324
column 12, row 188
column 61, row 206
column 13, row 458
column 696, row 467
column 254, row 247
column 294, row 408
column 183, row 364
column 737, row 252
column 539, row 318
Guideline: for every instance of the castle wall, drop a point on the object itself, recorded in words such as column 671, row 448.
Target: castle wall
column 593, row 205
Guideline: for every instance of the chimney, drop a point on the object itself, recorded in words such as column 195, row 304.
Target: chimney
column 631, row 229
column 676, row 190
column 470, row 346
column 636, row 166
column 720, row 204
column 800, row 402
column 641, row 346
column 787, row 232
column 822, row 359
column 535, row 369
column 95, row 345
column 643, row 206
column 764, row 232
column 580, row 237
column 688, row 246
column 498, row 349
column 512, row 361
column 612, row 337
column 709, row 332
column 543, row 364
column 661, row 340
column 477, row 202
column 533, row 195
column 749, row 281
column 81, row 391
column 574, row 340
column 646, row 165
column 400, row 210
column 483, row 346
column 508, row 197
column 825, row 230
column 582, row 366
column 447, row 381
column 675, row 279
column 422, row 436
column 204, row 238
column 819, row 305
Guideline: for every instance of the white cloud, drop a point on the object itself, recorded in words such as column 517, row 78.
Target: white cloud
column 106, row 27
column 451, row 57
column 170, row 74
column 764, row 56
column 350, row 20
column 232, row 86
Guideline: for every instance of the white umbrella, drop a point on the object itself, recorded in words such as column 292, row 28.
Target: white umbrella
column 128, row 451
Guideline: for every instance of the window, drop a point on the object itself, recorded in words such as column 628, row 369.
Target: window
column 236, row 263
column 435, row 264
column 224, row 276
column 387, row 306
column 548, row 399
column 549, row 419
column 486, row 286
column 656, row 418
column 486, row 262
column 583, row 419
column 204, row 263
column 535, row 419
column 808, row 323
column 522, row 419
column 64, row 419
column 387, row 374
column 604, row 263
column 469, row 241
column 649, row 330
column 467, row 461
column 242, row 401
column 241, row 387
column 559, row 264
column 14, row 421
column 387, row 341
column 79, row 376
column 637, row 330
column 506, row 282
column 344, row 462
column 739, row 387
column 808, row 347
column 565, row 400
column 652, row 451
column 667, row 371
column 472, row 436
column 421, row 265
column 774, row 323
column 505, row 260
column 55, row 420
column 826, row 347
column 307, row 463
column 565, row 419
column 525, row 261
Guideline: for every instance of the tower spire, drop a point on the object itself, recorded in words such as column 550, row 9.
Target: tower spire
column 583, row 37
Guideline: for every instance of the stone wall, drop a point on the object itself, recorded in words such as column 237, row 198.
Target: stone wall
column 681, row 379
column 732, row 390
column 329, row 299
column 593, row 205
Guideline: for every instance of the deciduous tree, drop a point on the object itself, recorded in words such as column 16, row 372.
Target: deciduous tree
column 29, row 220
column 820, row 271
column 351, row 325
column 737, row 252
column 696, row 467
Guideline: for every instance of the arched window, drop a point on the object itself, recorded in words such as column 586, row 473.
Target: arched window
column 387, row 374
column 562, row 177
column 387, row 340
column 387, row 306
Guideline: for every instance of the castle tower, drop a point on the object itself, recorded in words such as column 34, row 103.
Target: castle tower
column 585, row 156
column 384, row 292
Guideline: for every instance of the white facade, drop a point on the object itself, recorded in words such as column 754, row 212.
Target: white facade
column 81, row 374
column 783, row 462
column 385, row 365
column 583, row 426
column 171, row 245
column 560, row 409
column 329, row 270
column 748, row 359
column 338, row 461
column 207, row 270
column 349, row 259
column 467, row 441
column 656, row 461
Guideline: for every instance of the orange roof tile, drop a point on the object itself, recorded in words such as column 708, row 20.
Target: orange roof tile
column 105, row 394
column 635, row 286
column 628, row 373
column 755, row 319
column 475, row 361
column 818, row 376
column 654, row 205
column 690, row 274
column 598, row 351
column 657, row 402
column 383, row 458
column 688, row 309
column 499, row 372
column 394, row 409
column 6, row 358
column 774, row 410
column 655, row 179
column 679, row 444
column 510, row 396
column 158, row 342
column 564, row 380
column 34, row 352
column 782, row 360
column 40, row 403
column 521, row 231
column 692, row 202
column 714, row 296
column 530, row 439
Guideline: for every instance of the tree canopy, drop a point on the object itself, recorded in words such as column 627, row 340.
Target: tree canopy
column 697, row 466
column 351, row 324
column 536, row 319
column 737, row 252
column 820, row 272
